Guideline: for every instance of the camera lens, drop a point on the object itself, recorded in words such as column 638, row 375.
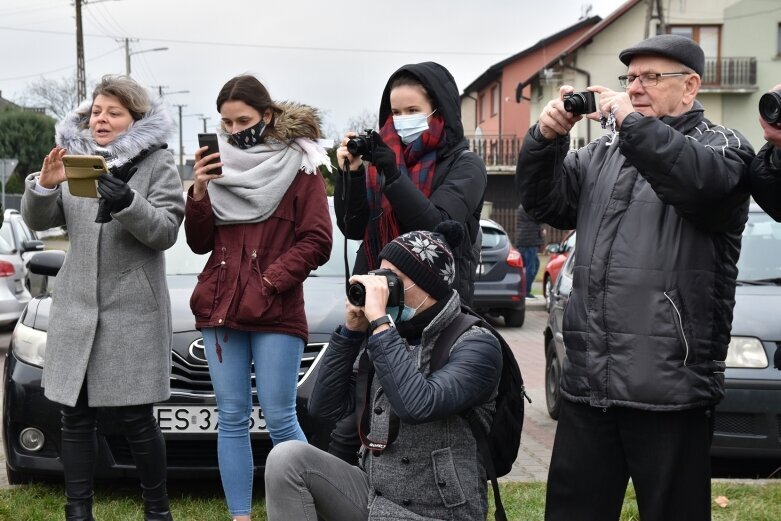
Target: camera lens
column 770, row 106
column 357, row 146
column 572, row 103
column 356, row 294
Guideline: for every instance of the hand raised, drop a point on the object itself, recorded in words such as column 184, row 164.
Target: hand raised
column 53, row 170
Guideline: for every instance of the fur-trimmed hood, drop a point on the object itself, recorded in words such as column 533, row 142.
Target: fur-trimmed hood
column 73, row 133
column 295, row 120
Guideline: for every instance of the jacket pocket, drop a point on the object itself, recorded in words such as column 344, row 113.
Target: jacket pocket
column 259, row 303
column 202, row 301
column 681, row 323
column 135, row 293
column 446, row 478
column 382, row 509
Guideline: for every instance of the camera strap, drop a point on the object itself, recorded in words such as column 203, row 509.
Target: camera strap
column 364, row 395
column 346, row 180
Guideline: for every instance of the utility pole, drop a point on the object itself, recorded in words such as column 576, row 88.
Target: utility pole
column 81, row 75
column 181, row 139
column 159, row 89
column 204, row 119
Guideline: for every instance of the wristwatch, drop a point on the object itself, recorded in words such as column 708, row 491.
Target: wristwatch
column 377, row 322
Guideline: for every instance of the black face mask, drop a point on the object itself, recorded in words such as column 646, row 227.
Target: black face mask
column 249, row 137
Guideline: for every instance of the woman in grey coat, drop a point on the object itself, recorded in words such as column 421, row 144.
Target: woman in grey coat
column 109, row 339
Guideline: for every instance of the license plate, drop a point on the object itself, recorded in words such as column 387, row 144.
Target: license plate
column 199, row 418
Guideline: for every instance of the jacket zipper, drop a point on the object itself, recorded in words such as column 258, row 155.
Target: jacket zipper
column 680, row 324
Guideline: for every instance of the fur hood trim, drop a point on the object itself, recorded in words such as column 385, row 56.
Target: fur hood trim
column 73, row 133
column 296, row 120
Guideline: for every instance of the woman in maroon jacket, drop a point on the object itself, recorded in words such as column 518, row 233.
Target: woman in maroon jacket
column 265, row 220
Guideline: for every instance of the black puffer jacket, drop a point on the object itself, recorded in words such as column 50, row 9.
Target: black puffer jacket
column 457, row 189
column 766, row 180
column 659, row 215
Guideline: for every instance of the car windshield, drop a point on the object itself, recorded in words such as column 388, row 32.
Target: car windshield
column 760, row 251
column 180, row 260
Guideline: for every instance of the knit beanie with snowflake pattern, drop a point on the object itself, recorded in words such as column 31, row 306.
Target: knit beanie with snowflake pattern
column 427, row 257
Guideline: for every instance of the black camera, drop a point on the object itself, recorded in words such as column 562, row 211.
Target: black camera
column 580, row 102
column 356, row 293
column 770, row 106
column 362, row 145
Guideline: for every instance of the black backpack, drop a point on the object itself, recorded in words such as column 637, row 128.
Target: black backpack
column 499, row 447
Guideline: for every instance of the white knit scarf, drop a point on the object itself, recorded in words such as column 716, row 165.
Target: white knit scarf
column 255, row 180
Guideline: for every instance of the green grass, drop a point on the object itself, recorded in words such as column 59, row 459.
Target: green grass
column 203, row 502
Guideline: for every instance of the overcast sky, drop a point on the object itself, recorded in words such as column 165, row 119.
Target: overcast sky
column 336, row 56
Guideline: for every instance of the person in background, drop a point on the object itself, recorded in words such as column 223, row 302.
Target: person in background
column 529, row 236
column 766, row 168
column 109, row 337
column 431, row 470
column 659, row 208
column 265, row 221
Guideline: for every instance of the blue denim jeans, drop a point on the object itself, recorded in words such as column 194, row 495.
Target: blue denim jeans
column 532, row 263
column 277, row 359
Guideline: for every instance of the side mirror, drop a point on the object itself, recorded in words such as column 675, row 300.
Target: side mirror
column 32, row 245
column 47, row 263
column 552, row 248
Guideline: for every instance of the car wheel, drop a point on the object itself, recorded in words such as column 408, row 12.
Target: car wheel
column 547, row 287
column 514, row 317
column 17, row 478
column 552, row 380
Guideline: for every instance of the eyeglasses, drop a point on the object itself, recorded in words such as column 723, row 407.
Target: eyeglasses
column 649, row 79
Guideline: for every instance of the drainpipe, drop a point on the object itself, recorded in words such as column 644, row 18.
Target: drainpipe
column 499, row 109
column 588, row 83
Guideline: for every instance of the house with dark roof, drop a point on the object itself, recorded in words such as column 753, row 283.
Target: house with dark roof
column 742, row 44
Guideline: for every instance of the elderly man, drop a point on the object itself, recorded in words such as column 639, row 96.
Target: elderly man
column 659, row 209
column 766, row 168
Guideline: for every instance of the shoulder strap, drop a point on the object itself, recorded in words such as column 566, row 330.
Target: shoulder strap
column 439, row 356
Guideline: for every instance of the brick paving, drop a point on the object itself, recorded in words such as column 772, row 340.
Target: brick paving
column 538, row 428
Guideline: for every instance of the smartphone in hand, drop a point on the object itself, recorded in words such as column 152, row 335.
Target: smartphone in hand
column 210, row 141
column 82, row 173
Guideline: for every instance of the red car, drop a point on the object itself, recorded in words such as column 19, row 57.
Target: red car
column 558, row 255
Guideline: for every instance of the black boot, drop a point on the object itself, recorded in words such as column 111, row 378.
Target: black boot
column 79, row 510
column 157, row 510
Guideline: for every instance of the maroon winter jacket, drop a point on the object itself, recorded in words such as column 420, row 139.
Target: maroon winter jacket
column 283, row 249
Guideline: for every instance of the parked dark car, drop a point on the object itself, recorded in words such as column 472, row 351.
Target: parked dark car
column 558, row 251
column 500, row 281
column 31, row 423
column 748, row 419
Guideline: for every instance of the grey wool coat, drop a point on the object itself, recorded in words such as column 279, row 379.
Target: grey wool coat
column 110, row 322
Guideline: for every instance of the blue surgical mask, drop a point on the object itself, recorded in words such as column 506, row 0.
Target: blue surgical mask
column 411, row 126
column 407, row 313
column 250, row 136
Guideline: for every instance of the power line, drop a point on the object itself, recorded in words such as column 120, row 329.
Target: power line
column 61, row 68
column 279, row 47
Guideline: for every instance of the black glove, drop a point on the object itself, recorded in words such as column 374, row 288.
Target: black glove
column 384, row 159
column 115, row 192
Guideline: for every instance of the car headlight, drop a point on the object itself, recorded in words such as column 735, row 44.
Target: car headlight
column 746, row 352
column 29, row 345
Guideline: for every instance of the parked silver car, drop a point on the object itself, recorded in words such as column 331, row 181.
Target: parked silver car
column 14, row 295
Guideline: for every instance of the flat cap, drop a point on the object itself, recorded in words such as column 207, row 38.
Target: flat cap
column 679, row 48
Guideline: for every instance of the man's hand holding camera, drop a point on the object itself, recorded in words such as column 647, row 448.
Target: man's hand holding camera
column 611, row 101
column 555, row 120
column 376, row 290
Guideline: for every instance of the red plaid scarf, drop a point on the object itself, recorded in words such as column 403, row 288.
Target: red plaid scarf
column 418, row 162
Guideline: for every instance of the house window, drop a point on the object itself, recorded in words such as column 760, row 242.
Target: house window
column 709, row 38
column 495, row 100
column 481, row 108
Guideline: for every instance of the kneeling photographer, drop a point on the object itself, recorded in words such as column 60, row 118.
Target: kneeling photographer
column 766, row 168
column 418, row 455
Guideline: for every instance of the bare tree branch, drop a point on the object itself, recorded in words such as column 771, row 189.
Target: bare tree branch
column 58, row 96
